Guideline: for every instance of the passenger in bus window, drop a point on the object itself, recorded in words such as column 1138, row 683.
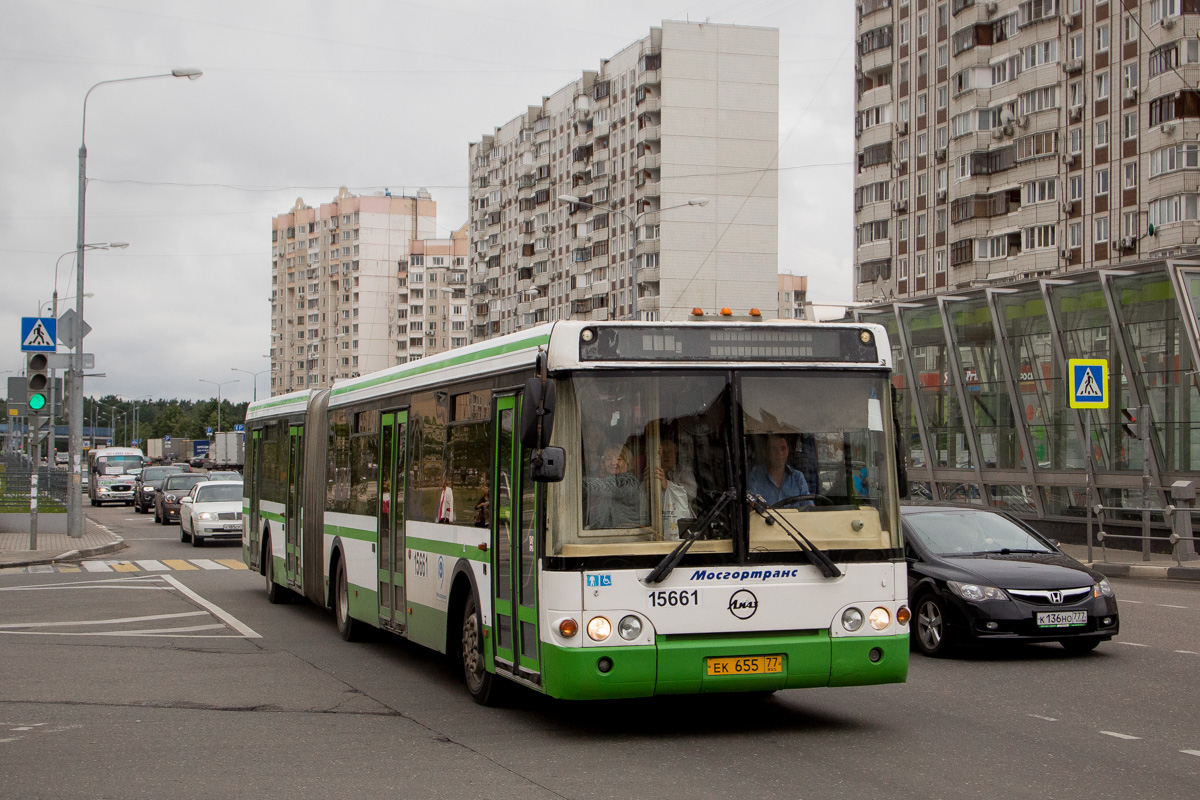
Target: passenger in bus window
column 677, row 485
column 614, row 499
column 774, row 479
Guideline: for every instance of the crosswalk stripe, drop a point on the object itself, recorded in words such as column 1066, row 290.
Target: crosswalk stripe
column 65, row 568
column 150, row 565
column 178, row 564
column 208, row 563
column 232, row 563
column 124, row 566
column 96, row 566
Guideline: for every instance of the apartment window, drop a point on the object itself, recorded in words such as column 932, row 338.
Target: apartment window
column 1075, row 187
column 1075, row 140
column 902, row 111
column 1129, row 125
column 1102, row 85
column 922, row 65
column 991, row 247
column 1076, row 47
column 1159, row 9
column 1101, row 182
column 1129, row 76
column 902, row 189
column 1040, row 53
column 942, row 96
column 1040, row 191
column 902, row 269
column 1131, row 26
column 943, row 55
column 1040, row 99
column 1102, row 38
column 902, row 229
column 1075, row 94
column 1102, row 133
column 1131, row 175
column 903, row 33
column 1171, row 209
column 942, row 136
column 921, row 227
column 922, row 144
column 870, row 232
column 940, row 220
column 1075, row 234
column 1163, row 59
column 939, row 262
column 920, row 265
column 1129, row 223
column 942, row 179
column 922, row 185
column 923, row 25
column 922, row 105
column 1101, row 228
column 1039, row 237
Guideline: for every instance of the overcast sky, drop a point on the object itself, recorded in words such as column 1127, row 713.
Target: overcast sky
column 298, row 98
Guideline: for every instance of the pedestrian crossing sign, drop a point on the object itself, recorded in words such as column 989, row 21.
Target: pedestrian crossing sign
column 38, row 334
column 1089, row 382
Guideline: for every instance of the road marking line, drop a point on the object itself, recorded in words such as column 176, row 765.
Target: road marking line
column 1188, row 652
column 152, row 632
column 1133, row 644
column 1164, row 605
column 96, row 566
column 101, row 621
column 1135, row 602
column 1047, row 719
column 1120, row 735
column 124, row 566
column 69, row 569
column 208, row 563
column 1191, row 752
column 214, row 609
column 40, row 568
column 232, row 563
column 178, row 564
column 150, row 565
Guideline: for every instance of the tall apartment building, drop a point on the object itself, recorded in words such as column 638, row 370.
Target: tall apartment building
column 1013, row 139
column 793, row 297
column 433, row 297
column 687, row 113
column 339, row 286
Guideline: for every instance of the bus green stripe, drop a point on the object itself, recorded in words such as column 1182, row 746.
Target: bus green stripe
column 423, row 367
column 347, row 532
column 451, row 549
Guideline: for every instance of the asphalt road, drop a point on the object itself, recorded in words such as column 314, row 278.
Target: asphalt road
column 187, row 683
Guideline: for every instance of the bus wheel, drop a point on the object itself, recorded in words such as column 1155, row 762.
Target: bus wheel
column 276, row 594
column 480, row 682
column 350, row 628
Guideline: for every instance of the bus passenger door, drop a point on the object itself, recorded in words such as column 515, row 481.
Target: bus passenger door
column 391, row 520
column 254, row 482
column 514, row 634
column 293, row 514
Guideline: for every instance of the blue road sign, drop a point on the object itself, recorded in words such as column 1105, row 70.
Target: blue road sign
column 39, row 334
column 1089, row 382
column 239, row 428
column 208, row 431
column 167, row 439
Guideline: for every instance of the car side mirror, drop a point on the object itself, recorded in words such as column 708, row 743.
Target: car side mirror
column 185, row 500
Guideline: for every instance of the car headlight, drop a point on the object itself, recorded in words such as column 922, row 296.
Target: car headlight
column 170, row 498
column 976, row 591
column 852, row 619
column 599, row 628
column 148, row 489
column 207, row 515
column 630, row 628
column 1102, row 588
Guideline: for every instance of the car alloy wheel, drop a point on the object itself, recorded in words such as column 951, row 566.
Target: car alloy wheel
column 932, row 637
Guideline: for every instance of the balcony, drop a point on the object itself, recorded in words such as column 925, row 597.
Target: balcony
column 650, row 133
column 648, row 246
column 649, row 161
column 649, row 275
column 649, row 303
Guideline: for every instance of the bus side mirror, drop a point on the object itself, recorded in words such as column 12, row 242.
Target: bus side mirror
column 548, row 465
column 538, row 403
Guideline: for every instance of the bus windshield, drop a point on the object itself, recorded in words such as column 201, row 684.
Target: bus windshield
column 656, row 452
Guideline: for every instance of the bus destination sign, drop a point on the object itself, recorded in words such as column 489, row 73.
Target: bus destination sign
column 711, row 343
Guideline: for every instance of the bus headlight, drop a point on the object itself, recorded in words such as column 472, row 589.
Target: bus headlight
column 630, row 628
column 880, row 618
column 852, row 619
column 599, row 629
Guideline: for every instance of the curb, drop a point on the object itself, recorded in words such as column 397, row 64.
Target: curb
column 1146, row 571
column 72, row 555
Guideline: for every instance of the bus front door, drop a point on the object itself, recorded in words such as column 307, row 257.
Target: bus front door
column 391, row 521
column 254, row 486
column 294, row 514
column 514, row 552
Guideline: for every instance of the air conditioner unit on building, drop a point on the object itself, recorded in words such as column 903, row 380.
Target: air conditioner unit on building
column 1068, row 20
column 1023, row 122
column 900, row 206
column 901, row 163
column 547, row 228
column 857, row 132
column 1168, row 23
column 991, row 7
column 940, row 154
column 1131, row 94
column 1076, row 113
column 1128, row 242
column 997, row 133
column 1068, row 159
column 941, row 194
column 901, row 128
column 1167, row 127
column 1074, row 65
column 1068, row 206
column 1064, row 254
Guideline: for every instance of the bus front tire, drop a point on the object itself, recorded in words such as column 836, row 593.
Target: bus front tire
column 480, row 683
column 350, row 629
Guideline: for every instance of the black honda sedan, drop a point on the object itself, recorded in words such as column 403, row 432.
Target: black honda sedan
column 976, row 575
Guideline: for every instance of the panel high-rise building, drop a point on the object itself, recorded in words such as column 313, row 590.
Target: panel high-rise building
column 668, row 150
column 1011, row 139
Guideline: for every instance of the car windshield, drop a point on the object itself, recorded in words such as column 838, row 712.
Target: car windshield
column 218, row 494
column 183, row 481
column 157, row 473
column 224, row 476
column 684, row 433
column 965, row 532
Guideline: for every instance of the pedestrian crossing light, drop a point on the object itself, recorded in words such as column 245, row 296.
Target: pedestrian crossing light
column 37, row 381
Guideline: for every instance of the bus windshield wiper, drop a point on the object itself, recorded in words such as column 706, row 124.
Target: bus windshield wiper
column 816, row 555
column 672, row 559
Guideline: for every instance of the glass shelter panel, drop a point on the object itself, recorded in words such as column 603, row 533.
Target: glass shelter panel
column 909, row 433
column 1156, row 339
column 1045, row 408
column 935, row 389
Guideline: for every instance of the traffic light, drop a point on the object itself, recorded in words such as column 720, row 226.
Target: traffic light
column 37, row 382
column 1136, row 422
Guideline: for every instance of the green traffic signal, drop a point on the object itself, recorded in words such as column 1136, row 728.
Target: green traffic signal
column 37, row 401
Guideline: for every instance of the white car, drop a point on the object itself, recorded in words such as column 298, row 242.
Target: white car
column 211, row 510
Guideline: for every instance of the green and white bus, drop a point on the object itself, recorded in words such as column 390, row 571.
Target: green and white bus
column 602, row 509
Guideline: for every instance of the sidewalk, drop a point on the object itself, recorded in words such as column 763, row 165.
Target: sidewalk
column 53, row 547
column 1129, row 564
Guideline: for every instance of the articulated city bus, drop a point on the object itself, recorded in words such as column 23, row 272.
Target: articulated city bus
column 602, row 509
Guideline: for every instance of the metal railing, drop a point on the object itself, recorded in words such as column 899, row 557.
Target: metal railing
column 1178, row 519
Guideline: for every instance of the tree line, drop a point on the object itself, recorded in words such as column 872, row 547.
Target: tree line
column 179, row 419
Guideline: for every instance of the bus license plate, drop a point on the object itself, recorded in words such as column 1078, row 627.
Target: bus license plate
column 1061, row 619
column 746, row 665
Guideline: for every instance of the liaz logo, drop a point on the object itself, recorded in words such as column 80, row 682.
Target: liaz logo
column 743, row 604
column 599, row 580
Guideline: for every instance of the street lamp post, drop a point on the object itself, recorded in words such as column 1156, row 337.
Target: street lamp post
column 253, row 376
column 75, row 374
column 219, row 385
column 695, row 201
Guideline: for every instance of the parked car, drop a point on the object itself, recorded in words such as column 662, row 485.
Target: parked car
column 174, row 488
column 148, row 484
column 976, row 575
column 113, row 489
column 196, row 462
column 212, row 510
